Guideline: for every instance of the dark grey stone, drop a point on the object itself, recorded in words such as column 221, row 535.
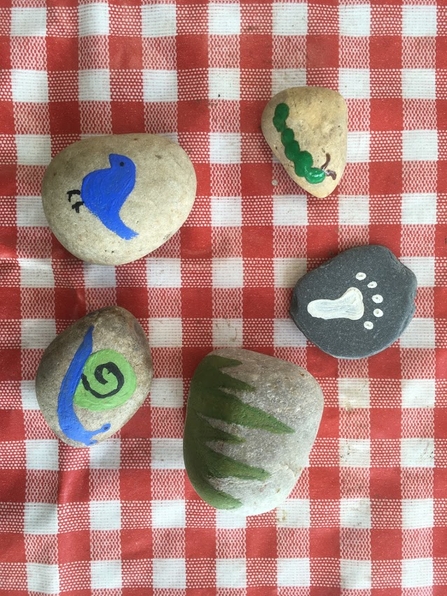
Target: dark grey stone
column 357, row 304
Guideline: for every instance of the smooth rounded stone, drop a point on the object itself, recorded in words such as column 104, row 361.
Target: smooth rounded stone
column 94, row 376
column 357, row 304
column 111, row 200
column 306, row 128
column 250, row 424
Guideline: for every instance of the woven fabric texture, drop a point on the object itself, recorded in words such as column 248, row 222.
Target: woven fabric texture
column 368, row 516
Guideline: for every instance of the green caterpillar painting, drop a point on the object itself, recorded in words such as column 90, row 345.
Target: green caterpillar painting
column 302, row 160
column 213, row 398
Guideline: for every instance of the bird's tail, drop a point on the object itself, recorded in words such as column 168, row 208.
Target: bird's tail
column 119, row 227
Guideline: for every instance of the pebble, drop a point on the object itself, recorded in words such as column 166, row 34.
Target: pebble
column 357, row 304
column 111, row 200
column 94, row 376
column 306, row 128
column 250, row 424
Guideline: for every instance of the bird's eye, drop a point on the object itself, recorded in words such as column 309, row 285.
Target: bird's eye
column 121, row 163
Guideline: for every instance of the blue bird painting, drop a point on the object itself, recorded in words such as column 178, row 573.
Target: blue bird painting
column 104, row 192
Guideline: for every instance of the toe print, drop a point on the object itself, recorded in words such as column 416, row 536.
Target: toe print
column 356, row 304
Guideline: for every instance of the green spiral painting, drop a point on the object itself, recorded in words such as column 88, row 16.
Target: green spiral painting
column 107, row 381
column 214, row 397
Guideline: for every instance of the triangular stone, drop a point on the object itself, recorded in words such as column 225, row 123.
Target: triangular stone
column 306, row 128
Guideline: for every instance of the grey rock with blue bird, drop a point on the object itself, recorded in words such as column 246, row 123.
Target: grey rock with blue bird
column 94, row 376
column 114, row 199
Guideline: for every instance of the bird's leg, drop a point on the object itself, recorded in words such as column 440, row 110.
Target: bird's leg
column 70, row 193
column 77, row 205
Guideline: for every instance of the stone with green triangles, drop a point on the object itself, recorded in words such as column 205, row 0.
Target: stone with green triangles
column 250, row 425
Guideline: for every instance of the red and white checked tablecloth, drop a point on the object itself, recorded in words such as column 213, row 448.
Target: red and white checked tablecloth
column 369, row 515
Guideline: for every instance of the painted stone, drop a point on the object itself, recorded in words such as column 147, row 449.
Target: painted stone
column 306, row 128
column 111, row 200
column 94, row 376
column 357, row 304
column 250, row 424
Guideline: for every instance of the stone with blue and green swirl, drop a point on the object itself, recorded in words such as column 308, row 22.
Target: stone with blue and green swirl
column 94, row 376
column 250, row 424
column 306, row 128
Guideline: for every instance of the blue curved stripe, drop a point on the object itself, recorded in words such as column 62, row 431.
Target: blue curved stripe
column 69, row 423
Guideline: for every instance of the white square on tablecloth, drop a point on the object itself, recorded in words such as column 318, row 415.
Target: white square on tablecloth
column 33, row 150
column 293, row 513
column 293, row 572
column 418, row 83
column 168, row 514
column 167, row 393
column 30, row 213
column 93, row 19
column 105, row 515
column 420, row 333
column 225, row 147
column 167, row 454
column 160, row 85
column 230, row 519
column 283, row 78
column 228, row 272
column 288, row 271
column 417, row 453
column 420, row 145
column 159, row 20
column 353, row 211
column 169, row 573
column 231, row 573
column 224, row 19
column 99, row 276
column 36, row 273
column 417, row 513
column 164, row 273
column 106, row 575
column 227, row 332
column 355, row 453
column 28, row 393
column 290, row 210
column 358, row 146
column 226, row 211
column 29, row 86
column 419, row 21
column 40, row 518
column 224, row 83
column 94, row 85
column 417, row 573
column 28, row 22
column 355, row 575
column 37, row 333
column 286, row 334
column 423, row 268
column 355, row 513
column 165, row 332
column 42, row 578
column 105, row 455
column 354, row 83
column 355, row 21
column 353, row 393
column 42, row 454
column 418, row 393
column 289, row 18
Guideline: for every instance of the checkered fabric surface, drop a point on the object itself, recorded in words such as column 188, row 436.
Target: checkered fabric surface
column 368, row 516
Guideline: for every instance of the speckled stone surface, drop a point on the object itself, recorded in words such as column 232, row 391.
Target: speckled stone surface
column 250, row 425
column 111, row 200
column 307, row 130
column 357, row 304
column 94, row 376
